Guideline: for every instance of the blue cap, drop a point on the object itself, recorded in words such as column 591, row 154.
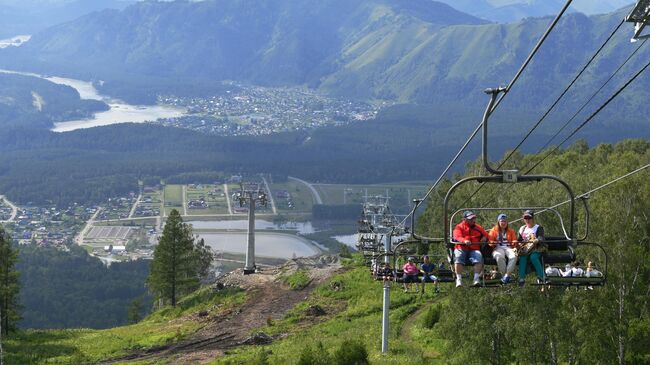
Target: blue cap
column 502, row 217
column 469, row 214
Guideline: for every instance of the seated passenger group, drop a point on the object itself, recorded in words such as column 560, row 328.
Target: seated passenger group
column 507, row 246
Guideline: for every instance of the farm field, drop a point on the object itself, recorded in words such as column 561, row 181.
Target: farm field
column 206, row 199
column 401, row 194
column 173, row 197
column 292, row 197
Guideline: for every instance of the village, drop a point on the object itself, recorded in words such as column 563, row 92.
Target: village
column 128, row 227
column 256, row 110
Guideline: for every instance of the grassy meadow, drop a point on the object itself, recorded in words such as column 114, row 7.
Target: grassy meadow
column 352, row 303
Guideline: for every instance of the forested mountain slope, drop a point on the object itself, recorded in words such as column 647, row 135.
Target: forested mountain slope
column 417, row 51
column 30, row 102
column 284, row 42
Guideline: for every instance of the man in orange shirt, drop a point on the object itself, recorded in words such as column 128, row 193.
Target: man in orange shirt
column 468, row 236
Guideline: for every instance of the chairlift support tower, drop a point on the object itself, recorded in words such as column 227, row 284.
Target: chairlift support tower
column 378, row 220
column 251, row 194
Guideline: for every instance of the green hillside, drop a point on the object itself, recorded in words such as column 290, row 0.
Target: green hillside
column 29, row 102
column 498, row 325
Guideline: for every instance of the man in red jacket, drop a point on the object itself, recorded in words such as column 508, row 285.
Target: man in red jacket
column 468, row 236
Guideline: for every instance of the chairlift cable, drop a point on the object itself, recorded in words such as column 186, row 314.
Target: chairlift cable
column 563, row 93
column 572, row 118
column 532, row 54
column 497, row 103
column 551, row 107
column 600, row 187
column 592, row 115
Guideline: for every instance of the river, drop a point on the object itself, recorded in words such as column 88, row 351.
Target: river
column 119, row 112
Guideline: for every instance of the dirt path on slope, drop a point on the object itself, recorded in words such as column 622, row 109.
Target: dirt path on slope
column 405, row 330
column 268, row 299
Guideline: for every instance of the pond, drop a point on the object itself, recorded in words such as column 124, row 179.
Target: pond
column 267, row 244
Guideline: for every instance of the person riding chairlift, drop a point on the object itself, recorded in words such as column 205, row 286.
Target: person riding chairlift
column 531, row 233
column 468, row 235
column 503, row 239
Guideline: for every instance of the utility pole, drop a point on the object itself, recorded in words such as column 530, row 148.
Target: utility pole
column 386, row 305
column 378, row 221
column 252, row 194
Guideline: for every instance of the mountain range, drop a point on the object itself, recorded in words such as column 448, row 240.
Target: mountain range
column 32, row 16
column 404, row 51
column 505, row 11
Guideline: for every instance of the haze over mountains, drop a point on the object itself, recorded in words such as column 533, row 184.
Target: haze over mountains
column 406, row 51
column 31, row 16
column 504, row 11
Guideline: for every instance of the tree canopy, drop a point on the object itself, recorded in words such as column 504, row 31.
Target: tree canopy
column 178, row 263
column 9, row 288
column 606, row 325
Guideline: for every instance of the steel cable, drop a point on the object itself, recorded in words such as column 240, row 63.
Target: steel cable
column 557, row 100
column 497, row 103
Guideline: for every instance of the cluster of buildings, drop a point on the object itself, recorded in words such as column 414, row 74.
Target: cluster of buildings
column 255, row 110
column 148, row 207
column 197, row 204
column 5, row 212
column 48, row 226
column 117, row 207
column 284, row 196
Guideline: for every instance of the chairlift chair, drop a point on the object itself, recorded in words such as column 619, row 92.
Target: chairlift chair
column 561, row 249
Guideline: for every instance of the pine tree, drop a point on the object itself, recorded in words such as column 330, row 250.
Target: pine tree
column 134, row 312
column 204, row 259
column 174, row 269
column 9, row 288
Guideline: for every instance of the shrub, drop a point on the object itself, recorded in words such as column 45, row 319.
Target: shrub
column 432, row 316
column 297, row 280
column 317, row 356
column 345, row 252
column 351, row 353
column 262, row 358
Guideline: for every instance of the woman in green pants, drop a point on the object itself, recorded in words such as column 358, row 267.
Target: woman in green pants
column 530, row 233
